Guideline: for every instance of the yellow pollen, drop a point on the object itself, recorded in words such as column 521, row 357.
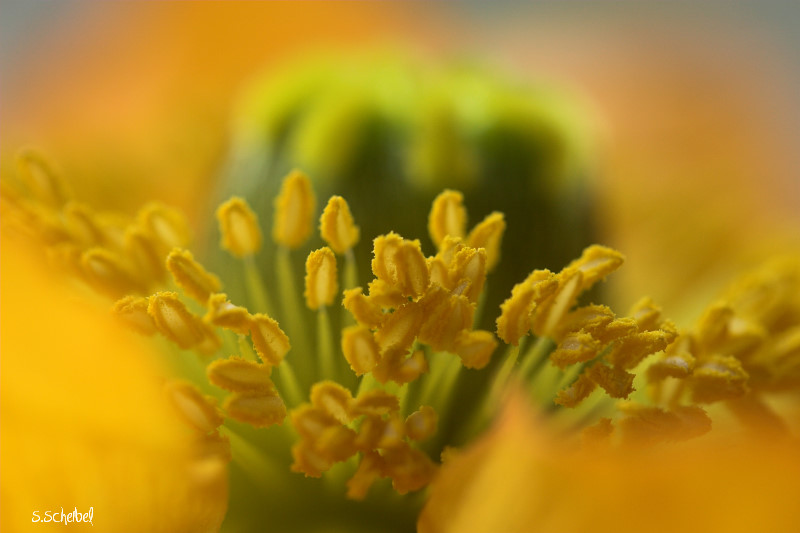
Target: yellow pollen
column 447, row 217
column 333, row 399
column 337, row 227
column 475, row 348
column 360, row 349
column 400, row 264
column 167, row 226
column 488, row 234
column 236, row 374
column 363, row 308
column 198, row 410
column 259, row 409
column 238, row 225
column 575, row 348
column 133, row 311
column 596, row 262
column 174, row 321
column 105, row 270
column 190, row 275
column 321, row 278
column 270, row 342
column 224, row 314
column 294, row 211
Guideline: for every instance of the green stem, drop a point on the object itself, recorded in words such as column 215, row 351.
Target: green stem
column 255, row 287
column 292, row 315
column 327, row 363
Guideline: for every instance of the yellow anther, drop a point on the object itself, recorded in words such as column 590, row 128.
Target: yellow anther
column 269, row 340
column 713, row 325
column 469, row 265
column 400, row 328
column 399, row 263
column 113, row 226
column 369, row 470
column 592, row 319
column 363, row 308
column 629, row 351
column 196, row 409
column 106, row 271
column 547, row 316
column 143, row 252
column 718, row 378
column 133, row 311
column 410, row 469
column 321, row 278
column 190, row 275
column 310, row 421
column 676, row 362
column 447, row 217
column 615, row 381
column 40, row 178
column 616, row 329
column 294, row 211
column 166, row 225
column 475, row 348
column 488, row 234
column 238, row 225
column 308, row 461
column 337, row 227
column 333, row 399
column 337, row 443
column 259, row 409
column 421, row 424
column 410, row 368
column 577, row 347
column 646, row 313
column 224, row 314
column 236, row 374
column 580, row 389
column 360, row 349
column 650, row 425
column 515, row 317
column 370, row 432
column 445, row 317
column 384, row 295
column 82, row 225
column 598, row 434
column 174, row 321
column 595, row 263
column 376, row 402
column 211, row 342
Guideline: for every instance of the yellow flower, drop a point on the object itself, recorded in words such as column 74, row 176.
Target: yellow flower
column 369, row 381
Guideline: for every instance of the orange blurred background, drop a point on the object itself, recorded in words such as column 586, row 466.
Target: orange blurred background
column 698, row 174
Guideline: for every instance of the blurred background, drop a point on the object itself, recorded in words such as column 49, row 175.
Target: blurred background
column 692, row 106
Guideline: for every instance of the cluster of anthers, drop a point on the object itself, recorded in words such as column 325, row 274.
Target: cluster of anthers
column 398, row 330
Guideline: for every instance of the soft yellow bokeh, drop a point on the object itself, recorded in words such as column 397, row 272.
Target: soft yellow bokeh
column 85, row 423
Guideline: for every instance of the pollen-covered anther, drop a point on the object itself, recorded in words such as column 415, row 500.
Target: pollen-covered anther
column 410, row 469
column 399, row 263
column 82, row 225
column 294, row 211
column 106, row 271
column 718, row 378
column 370, row 468
column 333, row 399
column 446, row 316
column 488, row 234
column 236, row 374
column 515, row 317
column 447, row 217
column 376, row 402
column 643, row 425
column 646, row 313
column 336, row 443
column 615, row 381
column 270, row 342
column 363, row 308
column 259, row 409
column 597, row 435
column 421, row 424
column 401, row 328
column 174, row 321
column 41, row 179
column 310, row 421
column 546, row 317
column 410, row 368
column 469, row 264
column 321, row 278
column 385, row 296
column 238, row 225
column 337, row 227
column 360, row 349
column 196, row 409
column 577, row 347
column 309, row 462
column 580, row 389
column 166, row 225
column 595, row 263
column 132, row 310
column 222, row 313
column 592, row 319
column 190, row 275
column 143, row 252
column 675, row 362
column 475, row 348
column 629, row 351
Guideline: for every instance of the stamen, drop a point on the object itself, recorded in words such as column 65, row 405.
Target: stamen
column 270, row 342
column 82, row 225
column 447, row 217
column 143, row 251
column 174, row 321
column 333, row 399
column 133, row 311
column 259, row 409
column 38, row 175
column 196, row 409
column 719, row 378
column 105, row 270
column 294, row 211
column 321, row 278
column 488, row 234
column 238, row 225
column 360, row 349
column 399, row 263
column 421, row 424
column 337, row 227
column 363, row 308
column 236, row 374
column 224, row 314
column 190, row 275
